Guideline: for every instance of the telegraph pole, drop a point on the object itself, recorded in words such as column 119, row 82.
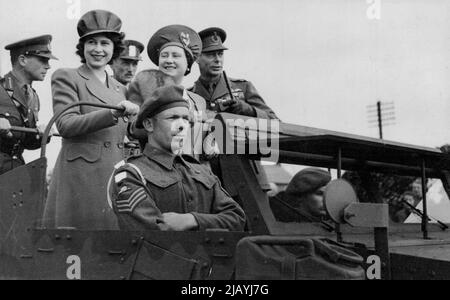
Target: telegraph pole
column 381, row 114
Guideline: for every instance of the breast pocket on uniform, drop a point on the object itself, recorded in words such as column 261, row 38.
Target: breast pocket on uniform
column 205, row 181
column 91, row 153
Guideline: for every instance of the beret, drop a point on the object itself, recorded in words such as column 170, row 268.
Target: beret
column 213, row 39
column 307, row 181
column 162, row 99
column 174, row 35
column 37, row 46
column 98, row 21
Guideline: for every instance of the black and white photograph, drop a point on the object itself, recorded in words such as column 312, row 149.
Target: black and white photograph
column 224, row 145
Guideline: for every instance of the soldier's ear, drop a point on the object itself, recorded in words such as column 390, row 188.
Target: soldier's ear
column 22, row 60
column 148, row 125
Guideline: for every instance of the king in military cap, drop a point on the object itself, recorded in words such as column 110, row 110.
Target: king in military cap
column 213, row 39
column 162, row 99
column 37, row 46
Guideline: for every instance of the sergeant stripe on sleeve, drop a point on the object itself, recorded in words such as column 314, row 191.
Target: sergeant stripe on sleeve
column 119, row 177
column 128, row 205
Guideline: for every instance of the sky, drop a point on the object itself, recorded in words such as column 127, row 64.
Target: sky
column 316, row 63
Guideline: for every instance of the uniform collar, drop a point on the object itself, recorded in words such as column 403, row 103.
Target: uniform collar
column 162, row 157
column 18, row 81
column 207, row 83
column 16, row 88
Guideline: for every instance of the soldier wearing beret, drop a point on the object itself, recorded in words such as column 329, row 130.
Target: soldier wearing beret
column 212, row 83
column 19, row 103
column 162, row 189
column 93, row 138
column 174, row 49
column 125, row 66
column 303, row 199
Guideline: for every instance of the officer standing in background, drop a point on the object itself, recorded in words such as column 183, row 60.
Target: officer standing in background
column 125, row 66
column 19, row 103
column 214, row 86
column 212, row 83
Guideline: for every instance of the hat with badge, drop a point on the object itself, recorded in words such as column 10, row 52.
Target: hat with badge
column 308, row 180
column 37, row 46
column 213, row 39
column 133, row 50
column 98, row 21
column 162, row 99
column 174, row 35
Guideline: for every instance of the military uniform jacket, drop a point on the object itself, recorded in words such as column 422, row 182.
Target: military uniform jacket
column 157, row 182
column 14, row 107
column 242, row 90
column 92, row 144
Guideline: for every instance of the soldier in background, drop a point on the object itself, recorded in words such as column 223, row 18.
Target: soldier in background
column 303, row 199
column 125, row 66
column 19, row 103
column 212, row 83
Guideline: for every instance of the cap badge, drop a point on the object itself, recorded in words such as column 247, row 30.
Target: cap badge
column 132, row 51
column 49, row 47
column 215, row 38
column 185, row 39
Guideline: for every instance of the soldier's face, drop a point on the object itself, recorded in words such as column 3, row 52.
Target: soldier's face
column 173, row 62
column 36, row 67
column 211, row 63
column 124, row 70
column 170, row 129
column 98, row 51
column 314, row 202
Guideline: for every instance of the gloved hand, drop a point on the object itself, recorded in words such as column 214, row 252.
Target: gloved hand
column 5, row 128
column 242, row 108
column 41, row 129
column 129, row 109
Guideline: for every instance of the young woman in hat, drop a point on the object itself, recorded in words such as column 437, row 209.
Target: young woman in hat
column 174, row 49
column 92, row 137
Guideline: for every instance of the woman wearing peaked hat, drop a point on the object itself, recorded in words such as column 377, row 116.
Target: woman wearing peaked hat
column 174, row 49
column 92, row 137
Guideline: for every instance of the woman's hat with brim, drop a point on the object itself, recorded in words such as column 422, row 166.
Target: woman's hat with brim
column 97, row 22
column 174, row 35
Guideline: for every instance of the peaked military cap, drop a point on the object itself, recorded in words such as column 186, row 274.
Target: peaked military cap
column 162, row 99
column 98, row 21
column 307, row 181
column 174, row 35
column 37, row 46
column 133, row 50
column 213, row 39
